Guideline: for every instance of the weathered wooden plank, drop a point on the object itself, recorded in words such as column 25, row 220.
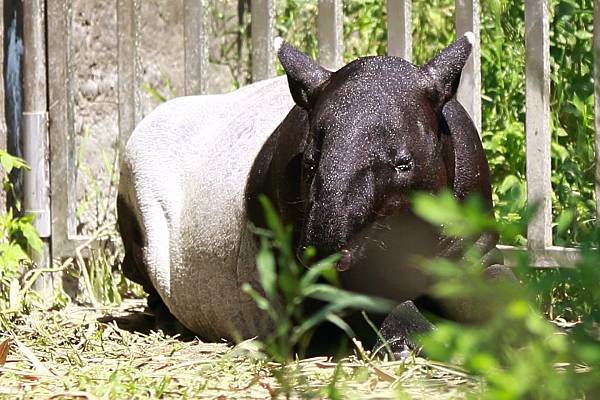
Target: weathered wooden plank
column 469, row 91
column 195, row 37
column 62, row 135
column 129, row 67
column 550, row 257
column 597, row 103
column 263, row 34
column 537, row 122
column 331, row 34
column 399, row 28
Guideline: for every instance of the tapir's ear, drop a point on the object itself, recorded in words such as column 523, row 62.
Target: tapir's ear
column 444, row 70
column 304, row 75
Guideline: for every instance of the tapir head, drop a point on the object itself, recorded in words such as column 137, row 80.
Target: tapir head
column 374, row 137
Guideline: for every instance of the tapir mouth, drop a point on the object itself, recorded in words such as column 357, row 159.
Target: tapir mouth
column 345, row 260
column 349, row 254
column 354, row 250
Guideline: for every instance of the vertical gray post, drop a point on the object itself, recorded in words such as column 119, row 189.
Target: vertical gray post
column 331, row 34
column 36, row 196
column 399, row 28
column 469, row 91
column 597, row 103
column 62, row 135
column 263, row 34
column 130, row 71
column 537, row 122
column 195, row 37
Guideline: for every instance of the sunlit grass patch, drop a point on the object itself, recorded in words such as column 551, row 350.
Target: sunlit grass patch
column 70, row 354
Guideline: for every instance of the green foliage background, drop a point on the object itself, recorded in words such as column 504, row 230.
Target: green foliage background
column 17, row 236
column 520, row 354
column 503, row 97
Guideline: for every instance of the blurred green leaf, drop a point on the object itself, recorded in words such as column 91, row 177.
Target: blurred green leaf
column 265, row 264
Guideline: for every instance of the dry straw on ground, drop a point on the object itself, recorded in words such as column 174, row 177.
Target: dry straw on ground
column 108, row 353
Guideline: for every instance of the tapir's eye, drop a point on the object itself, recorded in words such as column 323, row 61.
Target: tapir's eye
column 404, row 164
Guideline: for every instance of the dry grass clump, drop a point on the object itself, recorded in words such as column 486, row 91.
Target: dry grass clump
column 110, row 353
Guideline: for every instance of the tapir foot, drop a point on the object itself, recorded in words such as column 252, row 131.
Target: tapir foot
column 400, row 328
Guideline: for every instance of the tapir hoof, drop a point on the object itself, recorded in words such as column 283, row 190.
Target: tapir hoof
column 399, row 330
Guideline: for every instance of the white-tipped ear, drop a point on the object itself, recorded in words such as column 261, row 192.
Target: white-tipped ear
column 470, row 37
column 277, row 42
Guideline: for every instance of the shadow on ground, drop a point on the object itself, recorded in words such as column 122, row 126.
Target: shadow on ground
column 136, row 318
column 134, row 321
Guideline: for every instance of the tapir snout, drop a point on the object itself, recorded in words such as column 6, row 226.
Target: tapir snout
column 338, row 209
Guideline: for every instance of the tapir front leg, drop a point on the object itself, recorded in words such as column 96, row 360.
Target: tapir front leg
column 400, row 329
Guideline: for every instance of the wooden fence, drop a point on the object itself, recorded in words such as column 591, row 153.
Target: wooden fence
column 60, row 108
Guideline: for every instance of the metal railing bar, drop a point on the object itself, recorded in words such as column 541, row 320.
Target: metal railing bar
column 550, row 257
column 399, row 28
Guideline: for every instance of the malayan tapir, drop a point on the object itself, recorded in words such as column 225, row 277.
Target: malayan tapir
column 338, row 153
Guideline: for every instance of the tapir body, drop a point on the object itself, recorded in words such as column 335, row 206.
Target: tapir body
column 181, row 205
column 338, row 153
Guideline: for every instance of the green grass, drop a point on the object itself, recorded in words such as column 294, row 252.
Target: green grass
column 68, row 353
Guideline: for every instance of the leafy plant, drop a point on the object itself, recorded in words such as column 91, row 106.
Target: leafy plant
column 518, row 352
column 17, row 237
column 286, row 286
